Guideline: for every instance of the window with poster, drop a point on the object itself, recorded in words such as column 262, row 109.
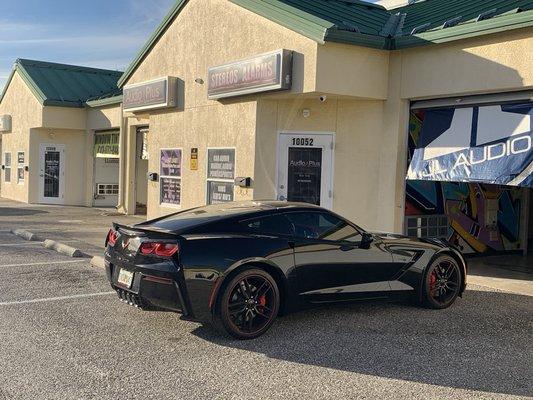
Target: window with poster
column 20, row 167
column 220, row 175
column 170, row 177
column 7, row 167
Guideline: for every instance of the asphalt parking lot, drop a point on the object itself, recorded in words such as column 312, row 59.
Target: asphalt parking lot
column 66, row 336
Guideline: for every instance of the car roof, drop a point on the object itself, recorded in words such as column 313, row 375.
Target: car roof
column 195, row 217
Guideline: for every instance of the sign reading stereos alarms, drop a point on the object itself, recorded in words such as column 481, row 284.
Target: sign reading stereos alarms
column 266, row 72
column 159, row 93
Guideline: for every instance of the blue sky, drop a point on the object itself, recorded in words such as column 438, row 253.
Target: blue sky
column 98, row 33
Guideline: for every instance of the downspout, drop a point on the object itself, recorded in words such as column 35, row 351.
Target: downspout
column 122, row 162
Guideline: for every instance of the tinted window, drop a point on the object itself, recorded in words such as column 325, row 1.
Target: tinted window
column 270, row 225
column 324, row 226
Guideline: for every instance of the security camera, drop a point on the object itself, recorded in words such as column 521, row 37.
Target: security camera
column 322, row 99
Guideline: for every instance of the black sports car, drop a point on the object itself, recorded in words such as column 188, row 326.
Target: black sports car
column 239, row 265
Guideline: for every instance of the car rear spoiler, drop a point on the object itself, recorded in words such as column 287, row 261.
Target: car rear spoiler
column 138, row 231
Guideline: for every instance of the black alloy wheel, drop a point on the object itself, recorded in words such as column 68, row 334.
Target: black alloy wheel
column 249, row 304
column 442, row 283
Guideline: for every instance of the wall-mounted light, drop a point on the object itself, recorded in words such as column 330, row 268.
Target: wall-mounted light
column 306, row 113
column 51, row 134
column 199, row 81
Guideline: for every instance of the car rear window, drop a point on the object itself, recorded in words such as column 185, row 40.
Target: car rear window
column 195, row 217
column 276, row 224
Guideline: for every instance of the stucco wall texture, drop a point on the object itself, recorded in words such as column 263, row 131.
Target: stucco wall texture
column 367, row 107
column 368, row 94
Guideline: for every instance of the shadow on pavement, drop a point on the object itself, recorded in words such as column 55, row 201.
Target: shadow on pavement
column 19, row 212
column 484, row 342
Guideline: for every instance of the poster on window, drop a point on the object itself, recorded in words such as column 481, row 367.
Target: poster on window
column 170, row 162
column 221, row 164
column 304, row 175
column 219, row 192
column 20, row 157
column 170, row 191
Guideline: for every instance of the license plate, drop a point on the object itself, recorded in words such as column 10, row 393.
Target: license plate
column 125, row 278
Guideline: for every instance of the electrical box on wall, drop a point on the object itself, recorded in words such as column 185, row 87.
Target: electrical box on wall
column 5, row 123
column 244, row 182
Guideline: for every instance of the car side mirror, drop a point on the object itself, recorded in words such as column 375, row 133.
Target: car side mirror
column 366, row 240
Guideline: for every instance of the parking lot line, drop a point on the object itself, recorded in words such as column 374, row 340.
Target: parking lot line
column 75, row 296
column 31, row 243
column 44, row 263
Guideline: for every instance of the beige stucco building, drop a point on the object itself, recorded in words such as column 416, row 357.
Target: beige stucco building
column 340, row 134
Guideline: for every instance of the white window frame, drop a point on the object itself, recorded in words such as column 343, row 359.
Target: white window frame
column 105, row 188
column 8, row 167
column 21, row 167
column 218, row 179
column 180, row 178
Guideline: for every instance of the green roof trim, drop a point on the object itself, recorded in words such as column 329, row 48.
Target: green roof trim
column 169, row 18
column 108, row 101
column 64, row 85
column 468, row 30
column 360, row 23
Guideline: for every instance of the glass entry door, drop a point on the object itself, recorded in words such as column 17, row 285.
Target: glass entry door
column 51, row 177
column 305, row 168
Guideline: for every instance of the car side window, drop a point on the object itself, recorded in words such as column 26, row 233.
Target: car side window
column 322, row 226
column 269, row 225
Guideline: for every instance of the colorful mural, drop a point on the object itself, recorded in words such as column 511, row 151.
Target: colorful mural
column 482, row 218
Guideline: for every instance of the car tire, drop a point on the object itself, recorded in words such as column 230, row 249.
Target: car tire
column 442, row 283
column 248, row 305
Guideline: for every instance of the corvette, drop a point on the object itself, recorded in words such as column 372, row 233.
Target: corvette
column 237, row 266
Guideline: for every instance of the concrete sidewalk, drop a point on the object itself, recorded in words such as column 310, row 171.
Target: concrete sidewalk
column 81, row 227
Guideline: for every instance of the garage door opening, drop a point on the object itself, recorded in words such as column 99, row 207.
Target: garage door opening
column 469, row 176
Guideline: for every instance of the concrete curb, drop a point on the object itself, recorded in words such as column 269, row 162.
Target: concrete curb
column 24, row 234
column 64, row 249
column 98, row 262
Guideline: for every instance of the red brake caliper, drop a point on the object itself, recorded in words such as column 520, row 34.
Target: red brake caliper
column 262, row 300
column 432, row 281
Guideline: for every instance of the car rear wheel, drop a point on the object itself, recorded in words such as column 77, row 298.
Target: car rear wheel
column 249, row 304
column 442, row 283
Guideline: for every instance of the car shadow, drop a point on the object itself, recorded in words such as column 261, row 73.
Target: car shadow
column 484, row 342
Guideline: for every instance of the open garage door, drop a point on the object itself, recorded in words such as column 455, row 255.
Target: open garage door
column 470, row 169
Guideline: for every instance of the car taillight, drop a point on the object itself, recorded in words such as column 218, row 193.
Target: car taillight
column 112, row 237
column 159, row 249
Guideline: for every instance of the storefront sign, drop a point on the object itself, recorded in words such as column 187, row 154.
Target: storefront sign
column 266, row 72
column 487, row 144
column 5, row 123
column 106, row 144
column 221, row 164
column 160, row 93
column 170, row 191
column 194, row 159
column 170, row 162
column 219, row 192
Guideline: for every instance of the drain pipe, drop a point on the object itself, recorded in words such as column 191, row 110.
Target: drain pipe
column 122, row 162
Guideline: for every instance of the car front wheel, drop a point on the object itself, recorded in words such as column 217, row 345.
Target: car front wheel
column 442, row 283
column 249, row 304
